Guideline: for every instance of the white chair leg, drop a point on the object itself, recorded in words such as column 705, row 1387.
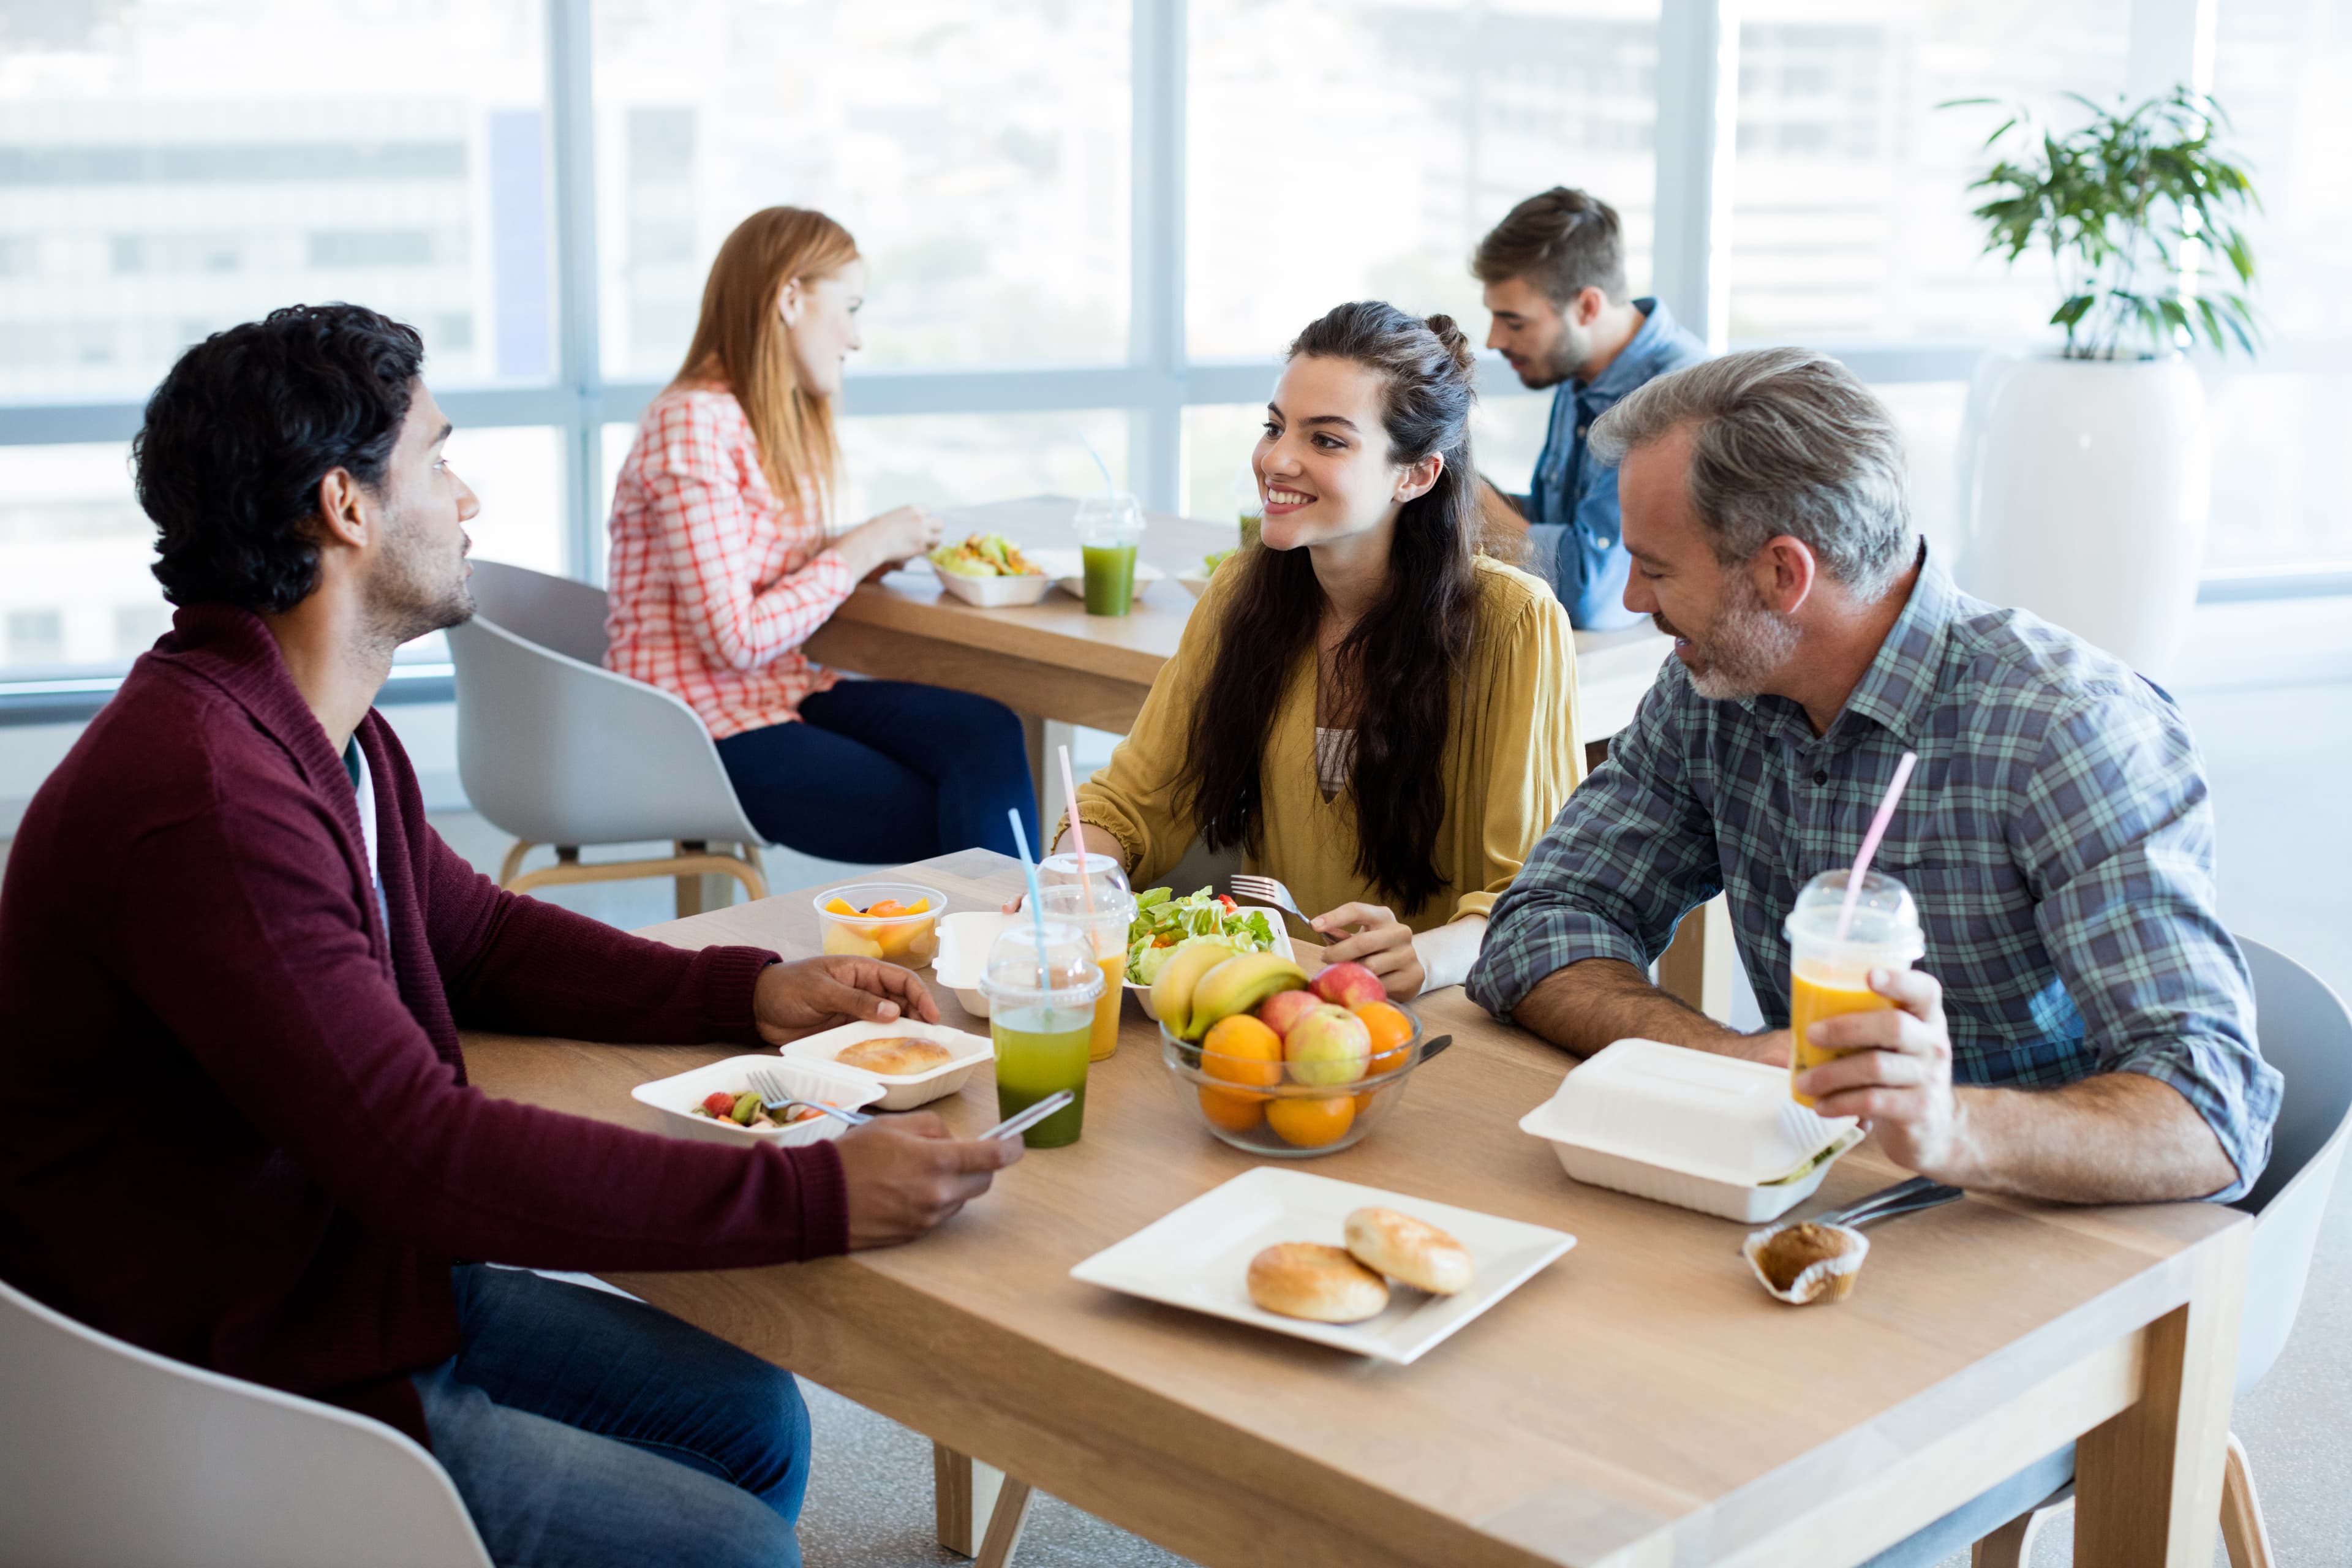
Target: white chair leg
column 2242, row 1531
column 1005, row 1525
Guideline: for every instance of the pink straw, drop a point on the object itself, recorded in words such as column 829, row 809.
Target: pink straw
column 1870, row 839
column 1078, row 834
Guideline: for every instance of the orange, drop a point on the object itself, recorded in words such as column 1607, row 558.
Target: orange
column 839, row 907
column 1240, row 1050
column 1312, row 1124
column 1364, row 1100
column 886, row 906
column 1389, row 1030
column 1233, row 1113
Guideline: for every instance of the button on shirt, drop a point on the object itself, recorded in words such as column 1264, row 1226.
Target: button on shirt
column 1573, row 531
column 2057, row 836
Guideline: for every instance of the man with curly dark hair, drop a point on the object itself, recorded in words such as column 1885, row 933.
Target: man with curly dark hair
column 227, row 898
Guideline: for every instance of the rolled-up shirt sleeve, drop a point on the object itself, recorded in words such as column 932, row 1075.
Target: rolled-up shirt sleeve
column 2116, row 838
column 1632, row 852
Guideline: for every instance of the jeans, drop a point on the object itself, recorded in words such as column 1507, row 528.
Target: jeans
column 887, row 771
column 585, row 1429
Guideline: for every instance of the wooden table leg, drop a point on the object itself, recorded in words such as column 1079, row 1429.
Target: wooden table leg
column 1005, row 1522
column 2148, row 1483
column 966, row 1498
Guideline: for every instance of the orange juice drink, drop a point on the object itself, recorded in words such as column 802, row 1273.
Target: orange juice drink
column 1103, row 916
column 1828, row 975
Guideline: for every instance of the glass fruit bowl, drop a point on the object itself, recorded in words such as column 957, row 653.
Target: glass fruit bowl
column 906, row 931
column 1262, row 1101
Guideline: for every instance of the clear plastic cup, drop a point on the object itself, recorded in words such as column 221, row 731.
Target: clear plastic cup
column 1041, row 1018
column 1102, row 870
column 1103, row 916
column 1828, row 978
column 1109, row 526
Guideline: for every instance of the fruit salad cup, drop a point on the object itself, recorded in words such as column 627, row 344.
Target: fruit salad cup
column 897, row 922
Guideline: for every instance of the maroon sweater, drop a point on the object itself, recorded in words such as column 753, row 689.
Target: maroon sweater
column 234, row 1125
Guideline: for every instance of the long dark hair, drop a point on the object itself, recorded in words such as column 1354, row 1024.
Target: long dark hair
column 1400, row 664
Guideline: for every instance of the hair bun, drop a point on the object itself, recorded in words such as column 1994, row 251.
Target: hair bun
column 1450, row 338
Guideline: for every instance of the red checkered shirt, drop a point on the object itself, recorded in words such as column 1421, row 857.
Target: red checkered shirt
column 716, row 581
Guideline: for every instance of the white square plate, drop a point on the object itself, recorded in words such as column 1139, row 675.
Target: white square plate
column 1198, row 1256
column 1067, row 568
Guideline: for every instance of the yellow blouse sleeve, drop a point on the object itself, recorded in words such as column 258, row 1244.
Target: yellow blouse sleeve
column 1134, row 798
column 1533, row 758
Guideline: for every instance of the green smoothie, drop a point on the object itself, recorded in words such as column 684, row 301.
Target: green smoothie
column 1111, row 578
column 1039, row 1049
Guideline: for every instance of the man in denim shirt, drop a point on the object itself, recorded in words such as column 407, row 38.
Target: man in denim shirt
column 1555, row 277
column 2082, row 1027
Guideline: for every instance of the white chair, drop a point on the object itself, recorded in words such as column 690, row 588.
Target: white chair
column 555, row 748
column 113, row 1455
column 2306, row 1033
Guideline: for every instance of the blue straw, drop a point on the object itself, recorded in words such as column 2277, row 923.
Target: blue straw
column 1036, row 895
column 1108, row 488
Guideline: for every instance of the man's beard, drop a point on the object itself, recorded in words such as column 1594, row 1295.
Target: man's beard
column 1563, row 364
column 415, row 591
column 1739, row 652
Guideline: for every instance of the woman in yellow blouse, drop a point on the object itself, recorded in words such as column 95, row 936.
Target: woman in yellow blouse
column 1377, row 715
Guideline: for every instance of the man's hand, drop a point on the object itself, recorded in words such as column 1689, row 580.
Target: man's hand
column 908, row 1173
column 1380, row 942
column 795, row 999
column 1899, row 1079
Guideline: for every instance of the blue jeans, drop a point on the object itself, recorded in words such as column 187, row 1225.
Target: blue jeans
column 887, row 771
column 585, row 1429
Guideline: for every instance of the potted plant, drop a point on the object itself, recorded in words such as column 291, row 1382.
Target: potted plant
column 2086, row 474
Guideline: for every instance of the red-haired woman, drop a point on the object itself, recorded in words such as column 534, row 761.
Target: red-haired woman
column 722, row 568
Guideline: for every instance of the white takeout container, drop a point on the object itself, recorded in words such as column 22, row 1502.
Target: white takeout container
column 899, row 1092
column 1689, row 1128
column 995, row 593
column 1142, row 994
column 1067, row 568
column 965, row 938
column 680, row 1095
column 1196, row 581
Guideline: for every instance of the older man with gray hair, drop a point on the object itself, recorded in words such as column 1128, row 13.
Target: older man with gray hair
column 2082, row 1028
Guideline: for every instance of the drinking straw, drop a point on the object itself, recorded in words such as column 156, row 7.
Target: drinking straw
column 1870, row 839
column 1110, row 489
column 1036, row 895
column 1078, row 834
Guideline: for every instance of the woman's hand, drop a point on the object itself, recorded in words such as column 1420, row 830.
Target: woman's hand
column 1380, row 941
column 897, row 536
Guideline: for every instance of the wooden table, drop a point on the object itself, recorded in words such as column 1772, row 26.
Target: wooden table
column 1641, row 1404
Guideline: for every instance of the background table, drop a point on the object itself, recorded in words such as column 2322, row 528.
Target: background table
column 1639, row 1404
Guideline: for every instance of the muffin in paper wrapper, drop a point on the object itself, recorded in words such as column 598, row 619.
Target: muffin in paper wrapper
column 1827, row 1260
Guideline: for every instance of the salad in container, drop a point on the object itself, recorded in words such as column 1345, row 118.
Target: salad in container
column 990, row 570
column 1164, row 924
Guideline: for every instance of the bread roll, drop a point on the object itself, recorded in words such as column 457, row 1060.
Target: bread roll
column 896, row 1057
column 1406, row 1249
column 1322, row 1284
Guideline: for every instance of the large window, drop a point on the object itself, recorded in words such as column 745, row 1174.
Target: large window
column 1106, row 217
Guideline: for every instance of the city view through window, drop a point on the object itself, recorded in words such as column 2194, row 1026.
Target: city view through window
column 170, row 169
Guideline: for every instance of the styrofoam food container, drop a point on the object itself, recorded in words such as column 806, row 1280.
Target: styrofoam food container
column 1690, row 1127
column 680, row 1094
column 964, row 941
column 1142, row 994
column 965, row 1053
column 1196, row 581
column 1067, row 568
column 995, row 593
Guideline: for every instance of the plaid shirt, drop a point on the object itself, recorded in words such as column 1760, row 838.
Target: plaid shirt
column 716, row 582
column 2057, row 837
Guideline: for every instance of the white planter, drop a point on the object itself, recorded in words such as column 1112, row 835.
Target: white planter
column 2084, row 489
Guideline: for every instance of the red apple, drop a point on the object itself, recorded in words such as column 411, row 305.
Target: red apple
column 1347, row 985
column 1284, row 1008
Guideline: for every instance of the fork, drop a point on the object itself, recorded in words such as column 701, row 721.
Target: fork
column 1889, row 1203
column 1267, row 890
column 773, row 1095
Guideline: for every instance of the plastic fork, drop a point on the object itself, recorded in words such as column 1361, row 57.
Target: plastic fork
column 773, row 1095
column 1267, row 890
column 1904, row 1197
